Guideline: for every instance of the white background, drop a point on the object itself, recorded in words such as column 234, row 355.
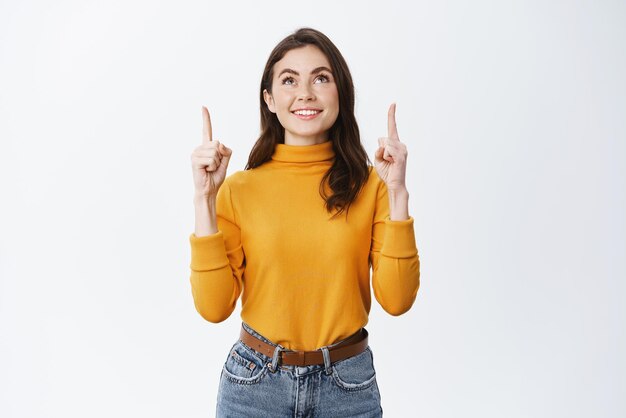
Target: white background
column 514, row 115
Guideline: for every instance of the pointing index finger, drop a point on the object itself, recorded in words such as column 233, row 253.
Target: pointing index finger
column 207, row 131
column 392, row 130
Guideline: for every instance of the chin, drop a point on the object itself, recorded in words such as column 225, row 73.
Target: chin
column 307, row 133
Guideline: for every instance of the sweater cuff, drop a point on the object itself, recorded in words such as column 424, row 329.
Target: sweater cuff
column 208, row 252
column 399, row 241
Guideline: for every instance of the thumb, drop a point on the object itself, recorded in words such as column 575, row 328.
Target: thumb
column 379, row 154
column 226, row 153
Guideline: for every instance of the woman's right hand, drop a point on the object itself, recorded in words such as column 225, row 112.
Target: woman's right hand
column 209, row 161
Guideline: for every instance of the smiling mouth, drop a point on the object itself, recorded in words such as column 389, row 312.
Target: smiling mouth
column 306, row 114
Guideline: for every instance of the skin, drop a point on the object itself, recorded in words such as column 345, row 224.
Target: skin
column 390, row 164
column 289, row 92
column 390, row 157
column 307, row 89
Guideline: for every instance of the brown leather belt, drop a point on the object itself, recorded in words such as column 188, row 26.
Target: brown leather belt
column 351, row 346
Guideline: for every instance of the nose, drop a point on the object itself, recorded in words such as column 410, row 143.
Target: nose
column 306, row 93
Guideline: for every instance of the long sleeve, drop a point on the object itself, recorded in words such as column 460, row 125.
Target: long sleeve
column 394, row 258
column 280, row 252
column 218, row 263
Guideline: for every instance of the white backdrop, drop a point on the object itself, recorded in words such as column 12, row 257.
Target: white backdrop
column 514, row 114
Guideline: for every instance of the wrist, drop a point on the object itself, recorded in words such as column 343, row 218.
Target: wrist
column 398, row 204
column 398, row 192
column 201, row 197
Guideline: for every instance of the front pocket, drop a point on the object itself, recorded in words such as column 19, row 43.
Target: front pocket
column 242, row 366
column 356, row 372
column 248, row 366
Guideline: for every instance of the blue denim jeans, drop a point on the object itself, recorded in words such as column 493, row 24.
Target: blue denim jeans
column 249, row 388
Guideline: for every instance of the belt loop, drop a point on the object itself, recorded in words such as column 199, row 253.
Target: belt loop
column 327, row 363
column 274, row 364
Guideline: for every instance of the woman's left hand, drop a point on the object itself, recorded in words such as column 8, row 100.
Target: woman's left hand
column 390, row 157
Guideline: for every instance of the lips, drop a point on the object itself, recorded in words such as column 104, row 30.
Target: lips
column 308, row 113
column 306, row 109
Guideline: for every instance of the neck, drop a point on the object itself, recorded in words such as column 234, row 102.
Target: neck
column 316, row 153
column 291, row 139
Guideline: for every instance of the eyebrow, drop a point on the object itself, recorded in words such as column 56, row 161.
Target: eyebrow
column 316, row 70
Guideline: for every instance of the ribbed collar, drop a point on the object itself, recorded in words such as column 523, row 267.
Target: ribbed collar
column 304, row 153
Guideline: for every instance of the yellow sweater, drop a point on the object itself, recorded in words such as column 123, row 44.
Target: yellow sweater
column 304, row 280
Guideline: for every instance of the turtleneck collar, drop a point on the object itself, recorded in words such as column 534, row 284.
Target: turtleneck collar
column 304, row 153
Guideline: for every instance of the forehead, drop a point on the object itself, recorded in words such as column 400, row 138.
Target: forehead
column 303, row 60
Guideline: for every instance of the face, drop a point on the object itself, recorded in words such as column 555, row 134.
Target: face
column 303, row 80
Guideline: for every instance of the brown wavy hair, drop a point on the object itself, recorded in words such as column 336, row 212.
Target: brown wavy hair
column 350, row 170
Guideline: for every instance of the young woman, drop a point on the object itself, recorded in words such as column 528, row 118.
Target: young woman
column 295, row 234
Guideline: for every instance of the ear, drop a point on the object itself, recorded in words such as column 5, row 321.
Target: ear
column 269, row 100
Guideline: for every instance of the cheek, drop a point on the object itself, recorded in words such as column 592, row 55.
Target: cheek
column 282, row 104
column 333, row 97
column 282, row 109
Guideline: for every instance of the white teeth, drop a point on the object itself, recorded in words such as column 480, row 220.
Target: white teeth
column 306, row 112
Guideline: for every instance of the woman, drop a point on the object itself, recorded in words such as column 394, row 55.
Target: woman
column 295, row 234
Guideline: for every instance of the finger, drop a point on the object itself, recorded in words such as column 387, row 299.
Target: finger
column 395, row 151
column 214, row 145
column 224, row 150
column 209, row 145
column 204, row 161
column 208, row 163
column 226, row 154
column 208, row 153
column 378, row 155
column 392, row 130
column 207, row 130
column 383, row 143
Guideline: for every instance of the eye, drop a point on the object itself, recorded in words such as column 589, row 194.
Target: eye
column 285, row 79
column 325, row 77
